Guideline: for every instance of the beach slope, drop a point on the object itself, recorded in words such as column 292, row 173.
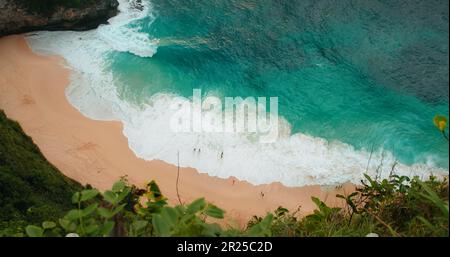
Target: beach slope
column 32, row 91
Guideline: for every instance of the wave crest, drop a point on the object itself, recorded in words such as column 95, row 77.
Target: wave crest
column 122, row 37
column 293, row 160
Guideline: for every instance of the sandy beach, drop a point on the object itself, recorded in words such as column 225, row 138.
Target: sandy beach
column 32, row 92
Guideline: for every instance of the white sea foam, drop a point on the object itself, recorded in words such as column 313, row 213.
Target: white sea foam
column 124, row 38
column 86, row 54
column 293, row 160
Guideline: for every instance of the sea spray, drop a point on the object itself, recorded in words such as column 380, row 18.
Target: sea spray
column 121, row 37
column 294, row 159
column 239, row 116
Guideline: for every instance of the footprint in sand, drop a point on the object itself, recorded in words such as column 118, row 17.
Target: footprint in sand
column 87, row 146
column 27, row 100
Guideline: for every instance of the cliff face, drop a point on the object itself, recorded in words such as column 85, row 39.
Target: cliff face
column 19, row 16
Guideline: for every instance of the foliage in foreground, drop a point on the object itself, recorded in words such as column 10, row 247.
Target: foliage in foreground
column 31, row 189
column 397, row 206
column 127, row 211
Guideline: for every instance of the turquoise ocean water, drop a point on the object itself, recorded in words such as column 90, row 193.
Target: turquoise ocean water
column 351, row 77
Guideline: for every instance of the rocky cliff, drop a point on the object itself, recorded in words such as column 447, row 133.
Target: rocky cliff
column 18, row 16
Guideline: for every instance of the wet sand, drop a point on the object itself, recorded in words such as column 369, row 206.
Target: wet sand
column 32, row 92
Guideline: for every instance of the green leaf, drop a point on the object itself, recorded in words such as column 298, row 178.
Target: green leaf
column 107, row 228
column 105, row 213
column 110, row 197
column 187, row 218
column 88, row 194
column 160, row 225
column 76, row 197
column 180, row 209
column 123, row 194
column 118, row 186
column 154, row 189
column 118, row 209
column 67, row 225
column 91, row 228
column 263, row 228
column 48, row 224
column 267, row 221
column 426, row 222
column 90, row 209
column 139, row 224
column 213, row 211
column 196, row 206
column 73, row 215
column 211, row 230
column 371, row 181
column 434, row 198
column 317, row 201
column 34, row 231
column 170, row 215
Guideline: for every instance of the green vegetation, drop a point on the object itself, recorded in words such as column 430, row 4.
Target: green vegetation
column 396, row 206
column 31, row 189
column 48, row 6
column 118, row 212
column 36, row 200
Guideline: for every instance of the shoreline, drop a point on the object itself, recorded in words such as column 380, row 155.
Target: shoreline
column 32, row 92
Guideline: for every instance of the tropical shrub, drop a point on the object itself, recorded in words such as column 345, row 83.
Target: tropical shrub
column 127, row 211
column 397, row 206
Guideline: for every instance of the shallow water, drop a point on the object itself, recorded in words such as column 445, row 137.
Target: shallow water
column 351, row 77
